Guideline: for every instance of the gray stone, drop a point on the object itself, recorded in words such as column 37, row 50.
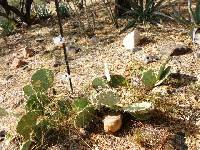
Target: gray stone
column 72, row 49
column 150, row 58
column 8, row 77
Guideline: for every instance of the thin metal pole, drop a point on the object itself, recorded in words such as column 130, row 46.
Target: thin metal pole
column 63, row 44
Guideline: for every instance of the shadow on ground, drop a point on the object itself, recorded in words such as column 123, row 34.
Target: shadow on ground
column 178, row 80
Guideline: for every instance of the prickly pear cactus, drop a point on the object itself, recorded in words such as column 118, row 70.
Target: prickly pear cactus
column 109, row 99
column 99, row 83
column 139, row 107
column 140, row 110
column 27, row 123
column 28, row 91
column 84, row 111
column 80, row 103
column 117, row 80
column 36, row 92
column 85, row 116
column 42, row 80
column 149, row 78
column 163, row 74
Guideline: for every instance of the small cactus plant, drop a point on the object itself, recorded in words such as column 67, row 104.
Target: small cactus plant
column 151, row 79
column 114, row 82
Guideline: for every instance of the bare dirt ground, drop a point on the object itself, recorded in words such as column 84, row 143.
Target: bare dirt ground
column 174, row 126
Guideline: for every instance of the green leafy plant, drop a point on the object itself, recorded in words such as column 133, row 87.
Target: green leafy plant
column 42, row 114
column 64, row 10
column 151, row 79
column 43, row 12
column 145, row 11
column 8, row 26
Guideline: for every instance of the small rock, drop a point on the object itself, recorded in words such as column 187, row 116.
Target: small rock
column 1, row 99
column 28, row 52
column 198, row 123
column 24, row 25
column 17, row 63
column 180, row 90
column 150, row 58
column 57, row 62
column 135, row 81
column 131, row 40
column 94, row 40
column 26, row 68
column 8, row 77
column 198, row 80
column 112, row 123
column 2, row 135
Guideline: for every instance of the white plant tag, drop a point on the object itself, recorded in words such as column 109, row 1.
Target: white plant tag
column 131, row 40
column 106, row 72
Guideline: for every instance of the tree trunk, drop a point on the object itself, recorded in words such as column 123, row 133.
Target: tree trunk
column 28, row 11
column 24, row 17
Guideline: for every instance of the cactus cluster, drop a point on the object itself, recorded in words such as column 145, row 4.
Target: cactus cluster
column 39, row 117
